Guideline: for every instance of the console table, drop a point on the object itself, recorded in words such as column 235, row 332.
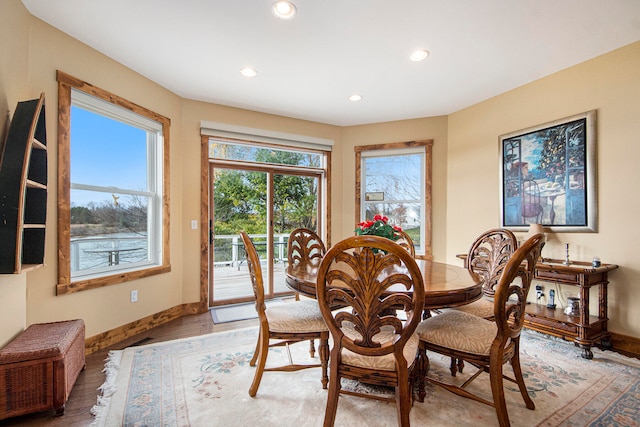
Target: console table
column 585, row 329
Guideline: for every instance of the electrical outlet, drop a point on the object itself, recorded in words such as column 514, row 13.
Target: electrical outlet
column 134, row 296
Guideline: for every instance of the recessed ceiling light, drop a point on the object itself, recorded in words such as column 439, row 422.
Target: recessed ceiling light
column 248, row 72
column 355, row 97
column 284, row 9
column 419, row 55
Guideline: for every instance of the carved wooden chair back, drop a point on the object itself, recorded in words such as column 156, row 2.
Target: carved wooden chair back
column 305, row 246
column 406, row 242
column 372, row 278
column 484, row 343
column 489, row 254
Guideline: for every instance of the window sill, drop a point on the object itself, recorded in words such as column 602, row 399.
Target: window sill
column 84, row 285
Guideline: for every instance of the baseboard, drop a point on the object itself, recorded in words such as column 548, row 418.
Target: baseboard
column 105, row 339
column 630, row 346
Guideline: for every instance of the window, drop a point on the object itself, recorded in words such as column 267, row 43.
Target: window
column 113, row 191
column 395, row 180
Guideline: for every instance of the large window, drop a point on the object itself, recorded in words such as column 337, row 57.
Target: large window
column 113, row 210
column 394, row 180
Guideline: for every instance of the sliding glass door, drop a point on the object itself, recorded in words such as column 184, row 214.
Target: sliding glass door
column 268, row 203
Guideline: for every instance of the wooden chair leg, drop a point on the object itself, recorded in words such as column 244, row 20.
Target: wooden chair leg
column 263, row 351
column 497, row 391
column 517, row 371
column 255, row 352
column 422, row 368
column 403, row 398
column 324, row 359
column 334, row 392
column 312, row 348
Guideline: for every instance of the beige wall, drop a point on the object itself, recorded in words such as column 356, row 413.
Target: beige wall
column 609, row 84
column 465, row 171
column 13, row 88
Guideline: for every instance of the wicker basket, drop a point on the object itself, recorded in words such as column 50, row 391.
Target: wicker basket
column 39, row 368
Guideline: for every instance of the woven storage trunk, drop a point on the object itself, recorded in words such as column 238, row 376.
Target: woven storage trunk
column 39, row 368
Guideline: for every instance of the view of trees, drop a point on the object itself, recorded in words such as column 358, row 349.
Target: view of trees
column 240, row 197
column 109, row 217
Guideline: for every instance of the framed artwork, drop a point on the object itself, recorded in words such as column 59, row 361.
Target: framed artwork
column 548, row 176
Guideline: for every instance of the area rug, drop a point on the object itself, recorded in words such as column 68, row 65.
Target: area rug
column 204, row 381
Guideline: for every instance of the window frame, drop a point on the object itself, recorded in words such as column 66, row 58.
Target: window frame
column 395, row 149
column 67, row 284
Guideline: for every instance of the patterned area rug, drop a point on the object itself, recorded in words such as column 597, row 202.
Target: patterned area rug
column 204, row 381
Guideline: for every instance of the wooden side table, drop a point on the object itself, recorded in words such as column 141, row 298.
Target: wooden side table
column 584, row 329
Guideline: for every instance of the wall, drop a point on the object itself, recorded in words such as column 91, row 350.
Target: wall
column 609, row 84
column 13, row 88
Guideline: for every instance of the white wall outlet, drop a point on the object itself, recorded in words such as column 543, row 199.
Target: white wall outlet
column 134, row 295
column 194, row 224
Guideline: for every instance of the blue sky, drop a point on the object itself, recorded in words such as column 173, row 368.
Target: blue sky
column 105, row 152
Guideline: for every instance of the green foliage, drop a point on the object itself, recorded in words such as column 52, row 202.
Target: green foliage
column 378, row 227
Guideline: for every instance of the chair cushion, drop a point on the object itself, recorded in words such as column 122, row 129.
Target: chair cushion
column 481, row 308
column 459, row 331
column 383, row 363
column 298, row 316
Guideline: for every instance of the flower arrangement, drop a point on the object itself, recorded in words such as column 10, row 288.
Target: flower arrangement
column 378, row 227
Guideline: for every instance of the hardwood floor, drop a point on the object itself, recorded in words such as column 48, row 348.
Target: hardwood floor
column 85, row 392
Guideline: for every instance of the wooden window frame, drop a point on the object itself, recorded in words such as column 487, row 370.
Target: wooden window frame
column 65, row 284
column 428, row 215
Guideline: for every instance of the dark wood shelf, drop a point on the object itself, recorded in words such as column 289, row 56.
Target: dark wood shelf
column 23, row 189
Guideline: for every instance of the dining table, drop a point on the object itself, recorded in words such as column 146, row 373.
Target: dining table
column 445, row 285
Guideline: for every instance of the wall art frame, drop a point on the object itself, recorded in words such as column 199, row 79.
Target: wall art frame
column 548, row 176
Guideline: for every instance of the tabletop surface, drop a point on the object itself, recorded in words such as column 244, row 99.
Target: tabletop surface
column 445, row 285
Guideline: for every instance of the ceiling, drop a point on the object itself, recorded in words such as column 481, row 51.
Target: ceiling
column 309, row 66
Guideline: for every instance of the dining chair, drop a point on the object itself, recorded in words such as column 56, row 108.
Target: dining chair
column 287, row 322
column 373, row 279
column 305, row 246
column 487, row 257
column 406, row 242
column 486, row 344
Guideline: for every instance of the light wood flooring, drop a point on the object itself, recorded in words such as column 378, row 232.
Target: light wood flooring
column 85, row 392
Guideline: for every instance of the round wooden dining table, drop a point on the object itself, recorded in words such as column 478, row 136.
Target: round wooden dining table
column 445, row 285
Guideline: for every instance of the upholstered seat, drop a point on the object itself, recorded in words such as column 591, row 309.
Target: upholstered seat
column 445, row 331
column 302, row 316
column 384, row 337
